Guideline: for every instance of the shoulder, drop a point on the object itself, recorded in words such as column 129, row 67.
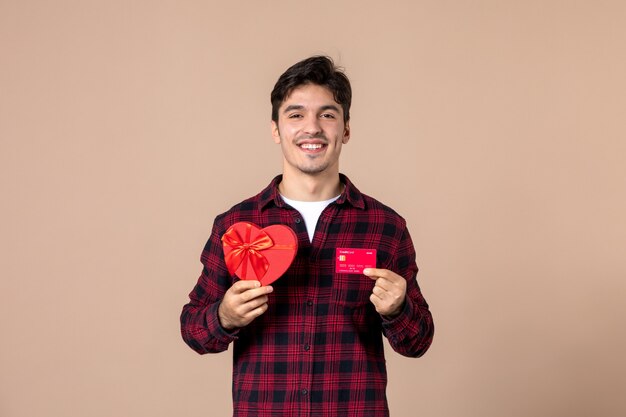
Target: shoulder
column 378, row 218
column 376, row 207
column 250, row 208
column 242, row 211
column 369, row 209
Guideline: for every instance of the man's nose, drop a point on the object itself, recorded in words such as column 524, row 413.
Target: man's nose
column 312, row 126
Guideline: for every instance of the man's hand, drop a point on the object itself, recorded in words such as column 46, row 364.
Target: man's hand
column 242, row 303
column 389, row 292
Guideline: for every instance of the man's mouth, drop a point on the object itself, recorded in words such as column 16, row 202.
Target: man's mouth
column 312, row 146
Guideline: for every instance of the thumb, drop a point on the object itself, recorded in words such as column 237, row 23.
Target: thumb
column 372, row 273
column 245, row 285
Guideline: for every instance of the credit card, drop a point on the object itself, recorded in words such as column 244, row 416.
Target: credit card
column 353, row 261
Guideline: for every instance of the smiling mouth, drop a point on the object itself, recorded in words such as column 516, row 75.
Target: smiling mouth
column 312, row 146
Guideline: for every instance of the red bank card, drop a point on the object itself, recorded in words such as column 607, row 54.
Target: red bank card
column 353, row 261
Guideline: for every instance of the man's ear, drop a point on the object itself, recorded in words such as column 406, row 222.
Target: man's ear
column 275, row 132
column 346, row 133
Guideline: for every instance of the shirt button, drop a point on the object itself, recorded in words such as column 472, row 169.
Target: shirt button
column 298, row 220
column 309, row 303
column 307, row 347
column 304, row 391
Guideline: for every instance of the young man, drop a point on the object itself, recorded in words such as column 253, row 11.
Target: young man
column 311, row 343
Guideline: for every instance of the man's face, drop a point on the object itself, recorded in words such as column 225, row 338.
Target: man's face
column 310, row 130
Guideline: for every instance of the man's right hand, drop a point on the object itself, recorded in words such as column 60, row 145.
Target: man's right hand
column 242, row 303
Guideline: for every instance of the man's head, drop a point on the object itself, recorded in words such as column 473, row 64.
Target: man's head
column 310, row 117
column 319, row 70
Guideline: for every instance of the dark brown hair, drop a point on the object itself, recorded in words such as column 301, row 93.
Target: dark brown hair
column 319, row 70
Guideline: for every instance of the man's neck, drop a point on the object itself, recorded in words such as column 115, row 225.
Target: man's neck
column 305, row 187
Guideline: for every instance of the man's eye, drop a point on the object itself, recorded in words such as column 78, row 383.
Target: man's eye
column 328, row 116
column 295, row 116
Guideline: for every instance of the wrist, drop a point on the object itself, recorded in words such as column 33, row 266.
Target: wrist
column 395, row 313
column 223, row 320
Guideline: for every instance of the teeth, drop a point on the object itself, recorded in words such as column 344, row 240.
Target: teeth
column 311, row 146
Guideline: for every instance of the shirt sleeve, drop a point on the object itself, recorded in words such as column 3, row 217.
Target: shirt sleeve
column 200, row 325
column 411, row 332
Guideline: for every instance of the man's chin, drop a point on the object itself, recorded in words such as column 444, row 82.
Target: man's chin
column 312, row 170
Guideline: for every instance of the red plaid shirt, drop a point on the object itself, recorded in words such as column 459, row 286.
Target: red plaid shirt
column 318, row 349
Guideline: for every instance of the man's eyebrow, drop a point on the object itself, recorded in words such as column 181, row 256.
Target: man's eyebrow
column 293, row 107
column 300, row 107
column 330, row 107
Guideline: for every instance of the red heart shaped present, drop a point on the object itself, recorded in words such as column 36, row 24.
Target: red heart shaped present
column 253, row 253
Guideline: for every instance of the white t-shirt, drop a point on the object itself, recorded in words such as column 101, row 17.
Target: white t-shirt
column 310, row 211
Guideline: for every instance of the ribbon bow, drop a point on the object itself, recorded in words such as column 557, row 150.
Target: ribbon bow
column 243, row 250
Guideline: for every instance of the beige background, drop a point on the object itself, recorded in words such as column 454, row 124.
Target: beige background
column 496, row 128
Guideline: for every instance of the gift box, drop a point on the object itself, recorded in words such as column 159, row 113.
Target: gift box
column 263, row 254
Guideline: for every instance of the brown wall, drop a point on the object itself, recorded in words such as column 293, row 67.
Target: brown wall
column 496, row 128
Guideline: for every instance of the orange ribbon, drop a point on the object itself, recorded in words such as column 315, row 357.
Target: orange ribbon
column 243, row 250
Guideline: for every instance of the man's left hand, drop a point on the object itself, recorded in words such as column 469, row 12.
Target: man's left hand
column 388, row 295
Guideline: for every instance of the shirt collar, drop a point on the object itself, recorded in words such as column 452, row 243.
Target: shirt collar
column 350, row 195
